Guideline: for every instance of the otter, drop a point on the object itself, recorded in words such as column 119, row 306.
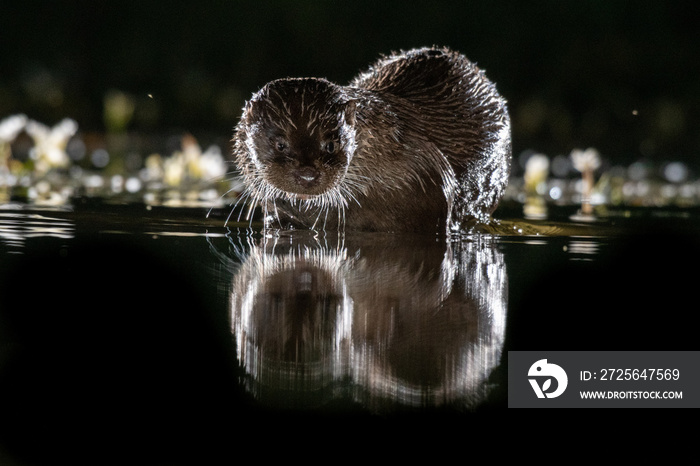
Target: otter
column 418, row 142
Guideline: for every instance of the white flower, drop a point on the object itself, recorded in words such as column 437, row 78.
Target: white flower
column 585, row 160
column 536, row 168
column 188, row 165
column 173, row 169
column 153, row 169
column 202, row 166
column 212, row 164
column 49, row 149
column 11, row 126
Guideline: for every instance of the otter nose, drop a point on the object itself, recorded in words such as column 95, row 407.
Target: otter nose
column 306, row 176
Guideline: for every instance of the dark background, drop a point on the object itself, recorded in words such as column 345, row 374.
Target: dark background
column 621, row 76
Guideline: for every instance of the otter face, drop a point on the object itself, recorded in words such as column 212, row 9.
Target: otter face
column 299, row 136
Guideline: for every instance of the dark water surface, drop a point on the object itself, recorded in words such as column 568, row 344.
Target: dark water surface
column 151, row 335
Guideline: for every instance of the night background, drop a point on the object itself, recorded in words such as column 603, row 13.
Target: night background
column 116, row 283
column 620, row 76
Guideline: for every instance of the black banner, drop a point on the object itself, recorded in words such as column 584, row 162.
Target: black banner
column 604, row 379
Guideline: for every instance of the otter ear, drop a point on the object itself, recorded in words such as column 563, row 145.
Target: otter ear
column 350, row 112
column 254, row 108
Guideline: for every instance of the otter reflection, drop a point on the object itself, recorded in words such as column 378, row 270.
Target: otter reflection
column 381, row 320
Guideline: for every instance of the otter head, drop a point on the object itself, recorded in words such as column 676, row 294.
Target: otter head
column 296, row 138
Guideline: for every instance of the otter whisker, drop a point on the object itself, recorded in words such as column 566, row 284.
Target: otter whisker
column 251, row 207
column 325, row 218
column 277, row 216
column 243, row 197
column 313, row 227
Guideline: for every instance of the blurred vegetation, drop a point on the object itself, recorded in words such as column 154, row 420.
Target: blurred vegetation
column 621, row 76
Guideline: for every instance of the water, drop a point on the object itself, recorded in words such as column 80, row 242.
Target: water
column 127, row 327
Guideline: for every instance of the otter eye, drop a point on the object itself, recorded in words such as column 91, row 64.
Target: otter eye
column 281, row 146
column 330, row 147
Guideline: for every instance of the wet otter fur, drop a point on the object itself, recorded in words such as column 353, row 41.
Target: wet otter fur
column 418, row 142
